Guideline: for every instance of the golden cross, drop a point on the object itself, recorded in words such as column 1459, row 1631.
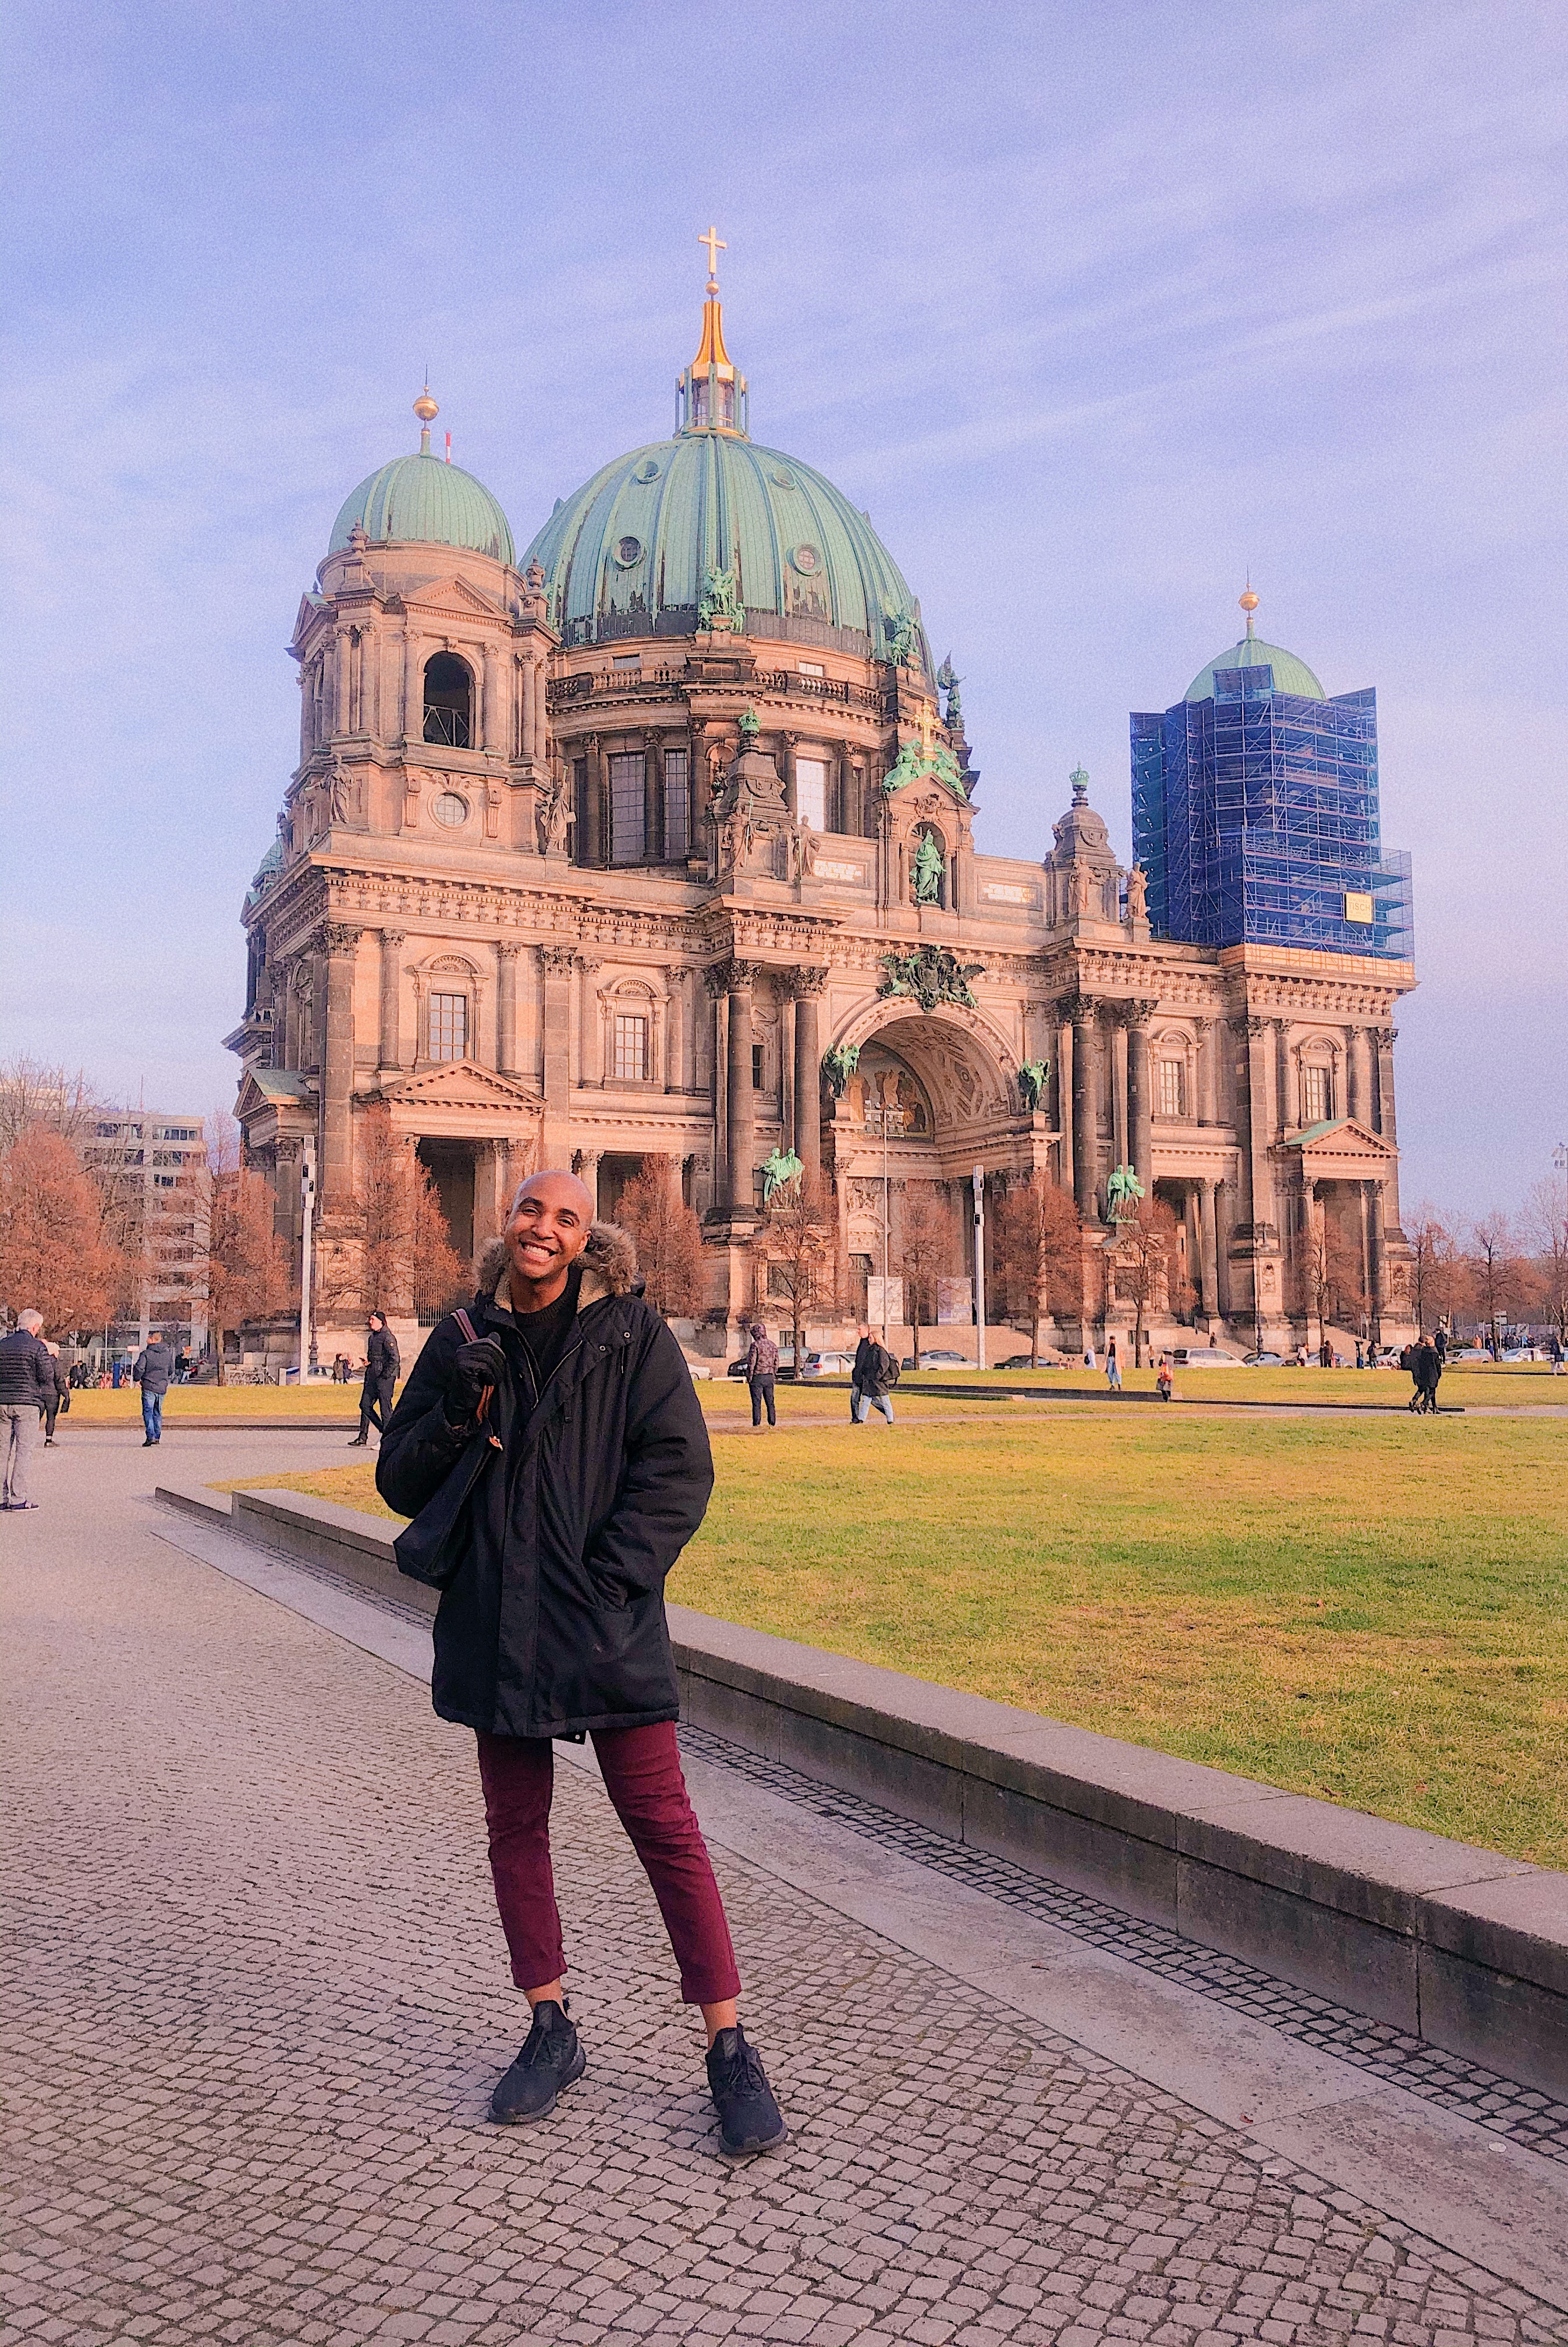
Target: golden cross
column 927, row 729
column 716, row 244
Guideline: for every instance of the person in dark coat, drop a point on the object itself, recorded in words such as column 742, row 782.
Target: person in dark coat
column 762, row 1369
column 61, row 1399
column 382, row 1364
column 154, row 1368
column 594, row 1470
column 1426, row 1369
column 871, row 1375
column 26, row 1384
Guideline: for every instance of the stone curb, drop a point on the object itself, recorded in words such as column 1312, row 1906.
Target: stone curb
column 1460, row 1946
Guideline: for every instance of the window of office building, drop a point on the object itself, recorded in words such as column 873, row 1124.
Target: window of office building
column 811, row 791
column 1172, row 1088
column 628, row 817
column 677, row 805
column 631, row 1048
column 449, row 1026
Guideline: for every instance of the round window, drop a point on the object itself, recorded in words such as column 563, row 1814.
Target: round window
column 628, row 550
column 806, row 560
column 450, row 810
column 648, row 470
column 782, row 477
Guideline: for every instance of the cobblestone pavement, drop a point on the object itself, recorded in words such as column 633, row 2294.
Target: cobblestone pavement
column 255, row 1998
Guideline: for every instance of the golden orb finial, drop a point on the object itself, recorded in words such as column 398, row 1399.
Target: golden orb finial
column 1249, row 603
column 425, row 407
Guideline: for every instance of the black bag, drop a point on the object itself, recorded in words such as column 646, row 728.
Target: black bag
column 427, row 1549
column 887, row 1369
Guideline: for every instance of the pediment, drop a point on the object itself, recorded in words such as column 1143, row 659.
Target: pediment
column 460, row 1088
column 1346, row 1142
column 277, row 1093
column 452, row 594
column 311, row 608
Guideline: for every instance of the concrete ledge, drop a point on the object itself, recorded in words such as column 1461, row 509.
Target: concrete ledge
column 1461, row 1946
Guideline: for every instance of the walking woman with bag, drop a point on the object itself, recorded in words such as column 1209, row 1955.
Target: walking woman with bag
column 551, row 1449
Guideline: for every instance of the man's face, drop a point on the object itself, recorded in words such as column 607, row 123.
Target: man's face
column 374, row 1323
column 549, row 1229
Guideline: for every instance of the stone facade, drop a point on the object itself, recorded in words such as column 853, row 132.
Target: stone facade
column 453, row 922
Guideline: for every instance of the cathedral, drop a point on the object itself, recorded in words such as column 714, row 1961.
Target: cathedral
column 659, row 841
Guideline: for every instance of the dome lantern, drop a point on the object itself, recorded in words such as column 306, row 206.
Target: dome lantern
column 712, row 390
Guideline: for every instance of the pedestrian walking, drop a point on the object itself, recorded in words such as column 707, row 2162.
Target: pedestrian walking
column 61, row 1399
column 1426, row 1369
column 27, row 1383
column 762, row 1369
column 1165, row 1377
column 873, row 1374
column 152, row 1370
column 1113, row 1368
column 552, row 1448
column 382, row 1363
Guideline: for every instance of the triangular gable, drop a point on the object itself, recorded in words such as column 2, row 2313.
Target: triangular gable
column 264, row 1089
column 312, row 606
column 1341, row 1138
column 460, row 1084
column 451, row 594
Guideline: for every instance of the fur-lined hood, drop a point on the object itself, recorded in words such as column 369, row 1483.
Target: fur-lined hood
column 609, row 1267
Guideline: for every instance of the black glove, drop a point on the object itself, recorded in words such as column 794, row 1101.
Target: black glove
column 474, row 1367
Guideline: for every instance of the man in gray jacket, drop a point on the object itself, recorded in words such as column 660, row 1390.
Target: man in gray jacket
column 153, row 1367
column 26, row 1386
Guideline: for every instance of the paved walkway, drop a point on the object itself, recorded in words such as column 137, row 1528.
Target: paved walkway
column 257, row 1997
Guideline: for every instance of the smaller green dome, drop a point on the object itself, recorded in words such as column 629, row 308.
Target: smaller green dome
column 423, row 500
column 1290, row 674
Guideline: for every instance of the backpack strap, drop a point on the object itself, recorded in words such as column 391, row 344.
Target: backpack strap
column 466, row 1325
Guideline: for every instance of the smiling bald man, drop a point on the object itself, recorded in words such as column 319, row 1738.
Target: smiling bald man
column 559, row 1447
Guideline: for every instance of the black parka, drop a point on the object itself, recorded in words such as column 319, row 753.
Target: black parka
column 554, row 1620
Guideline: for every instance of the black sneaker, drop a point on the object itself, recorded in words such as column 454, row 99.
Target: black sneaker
column 749, row 2118
column 550, row 2058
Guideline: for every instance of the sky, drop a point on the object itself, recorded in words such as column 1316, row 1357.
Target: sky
column 1097, row 308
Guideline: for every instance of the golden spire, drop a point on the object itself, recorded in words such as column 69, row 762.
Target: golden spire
column 425, row 407
column 712, row 389
column 1249, row 603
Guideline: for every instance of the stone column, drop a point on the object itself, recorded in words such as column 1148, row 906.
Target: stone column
column 538, row 735
column 808, row 988
column 1116, row 1068
column 592, row 850
column 1062, row 1078
column 1373, row 1193
column 1225, row 1223
column 557, row 965
column 1208, row 1251
column 590, row 1026
column 339, row 681
column 390, row 1048
column 1359, row 1074
column 1385, row 1037
column 413, row 711
column 340, row 941
column 1259, row 1179
column 587, row 1173
column 507, row 1009
column 1287, row 1105
column 1140, row 1094
column 1204, row 1072
column 741, row 1120
column 1080, row 1010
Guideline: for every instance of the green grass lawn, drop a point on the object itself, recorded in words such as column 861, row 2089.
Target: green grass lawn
column 1373, row 1612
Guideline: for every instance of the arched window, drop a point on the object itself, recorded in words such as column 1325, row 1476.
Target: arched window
column 449, row 701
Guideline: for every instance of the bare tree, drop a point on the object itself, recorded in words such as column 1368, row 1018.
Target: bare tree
column 1547, row 1220
column 929, row 1248
column 401, row 1261
column 668, row 1238
column 1432, row 1252
column 1147, row 1265
column 1496, row 1271
column 1037, row 1241
column 52, row 1253
column 238, row 1268
column 795, row 1254
column 34, row 1094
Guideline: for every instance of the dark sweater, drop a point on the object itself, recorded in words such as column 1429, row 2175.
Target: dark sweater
column 26, row 1369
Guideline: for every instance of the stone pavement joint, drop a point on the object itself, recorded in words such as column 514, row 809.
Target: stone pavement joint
column 255, row 1995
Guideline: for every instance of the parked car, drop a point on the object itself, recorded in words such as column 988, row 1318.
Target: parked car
column 1022, row 1361
column 829, row 1365
column 1203, row 1356
column 1264, row 1360
column 937, row 1360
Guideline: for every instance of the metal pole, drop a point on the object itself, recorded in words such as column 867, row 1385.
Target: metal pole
column 979, row 1181
column 307, row 1202
column 883, row 1114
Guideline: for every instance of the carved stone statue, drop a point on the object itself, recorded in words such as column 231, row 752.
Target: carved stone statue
column 717, row 606
column 902, row 630
column 928, row 871
column 838, row 1065
column 1137, row 894
column 932, row 975
column 554, row 819
column 1032, row 1080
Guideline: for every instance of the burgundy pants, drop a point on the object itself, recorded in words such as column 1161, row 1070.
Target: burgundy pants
column 641, row 1768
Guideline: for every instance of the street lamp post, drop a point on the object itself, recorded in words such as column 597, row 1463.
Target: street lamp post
column 977, row 1181
column 308, row 1206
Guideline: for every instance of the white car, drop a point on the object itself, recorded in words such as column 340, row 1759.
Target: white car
column 1203, row 1356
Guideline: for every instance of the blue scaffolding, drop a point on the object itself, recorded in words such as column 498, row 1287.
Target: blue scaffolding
column 1255, row 816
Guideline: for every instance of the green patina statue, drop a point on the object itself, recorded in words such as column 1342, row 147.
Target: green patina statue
column 838, row 1065
column 1032, row 1078
column 750, row 726
column 932, row 975
column 1122, row 1192
column 929, row 870
column 903, row 632
column 778, row 1171
column 914, row 764
column 950, row 681
column 717, row 606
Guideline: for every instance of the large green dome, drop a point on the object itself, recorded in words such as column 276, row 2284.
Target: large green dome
column 423, row 499
column 1290, row 674
column 629, row 552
